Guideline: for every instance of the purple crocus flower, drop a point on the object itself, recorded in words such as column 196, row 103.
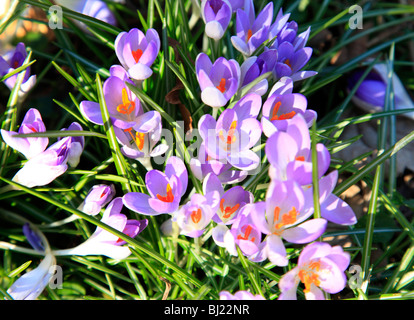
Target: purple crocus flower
column 251, row 31
column 234, row 133
column 320, row 266
column 102, row 242
column 216, row 15
column 204, row 164
column 283, row 216
column 12, row 61
column 282, row 105
column 137, row 52
column 77, row 144
column 30, row 285
column 219, row 81
column 289, row 153
column 97, row 198
column 239, row 295
column 124, row 107
column 139, row 142
column 333, row 208
column 194, row 216
column 165, row 189
column 46, row 166
column 29, row 147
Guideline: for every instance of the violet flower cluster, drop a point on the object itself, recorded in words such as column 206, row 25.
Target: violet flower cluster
column 268, row 116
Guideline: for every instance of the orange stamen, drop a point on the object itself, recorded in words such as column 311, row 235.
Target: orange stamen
column 137, row 55
column 222, row 85
column 249, row 34
column 287, row 62
column 307, row 276
column 228, row 211
column 140, row 140
column 246, row 234
column 300, row 158
column 287, row 218
column 196, row 216
column 126, row 107
column 283, row 116
column 230, row 136
column 169, row 197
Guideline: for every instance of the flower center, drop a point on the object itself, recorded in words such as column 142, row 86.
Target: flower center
column 249, row 34
column 247, row 230
column 287, row 62
column 300, row 158
column 222, row 85
column 138, row 139
column 169, row 197
column 283, row 116
column 196, row 215
column 228, row 211
column 126, row 107
column 286, row 219
column 15, row 64
column 137, row 55
column 308, row 276
column 230, row 135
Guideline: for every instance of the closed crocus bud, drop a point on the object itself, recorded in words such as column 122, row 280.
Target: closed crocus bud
column 216, row 15
column 97, row 198
column 45, row 167
column 29, row 147
column 13, row 60
column 370, row 95
column 137, row 52
column 218, row 81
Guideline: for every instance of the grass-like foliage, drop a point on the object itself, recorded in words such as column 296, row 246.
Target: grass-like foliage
column 288, row 225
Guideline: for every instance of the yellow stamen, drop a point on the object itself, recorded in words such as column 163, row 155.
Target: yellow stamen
column 169, row 197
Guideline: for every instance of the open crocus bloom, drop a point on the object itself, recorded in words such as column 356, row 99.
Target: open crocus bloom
column 289, row 153
column 137, row 52
column 165, row 190
column 251, row 31
column 282, row 105
column 124, row 107
column 12, row 61
column 204, row 164
column 193, row 217
column 103, row 242
column 216, row 15
column 320, row 266
column 239, row 295
column 284, row 215
column 46, row 166
column 29, row 147
column 235, row 132
column 219, row 81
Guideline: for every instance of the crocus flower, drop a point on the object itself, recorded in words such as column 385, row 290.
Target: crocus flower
column 139, row 142
column 239, row 295
column 204, row 164
column 137, row 52
column 370, row 95
column 12, row 61
column 77, row 144
column 230, row 201
column 46, row 166
column 332, row 208
column 289, row 153
column 251, row 31
column 124, row 107
column 216, row 15
column 29, row 147
column 165, row 190
column 283, row 216
column 103, row 242
column 234, row 133
column 282, row 105
column 30, row 285
column 97, row 198
column 219, row 81
column 194, row 216
column 94, row 8
column 320, row 266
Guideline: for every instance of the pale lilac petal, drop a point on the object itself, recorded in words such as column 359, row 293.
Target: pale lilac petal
column 213, row 97
column 337, row 211
column 305, row 232
column 91, row 111
column 138, row 202
column 276, row 251
column 140, row 71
